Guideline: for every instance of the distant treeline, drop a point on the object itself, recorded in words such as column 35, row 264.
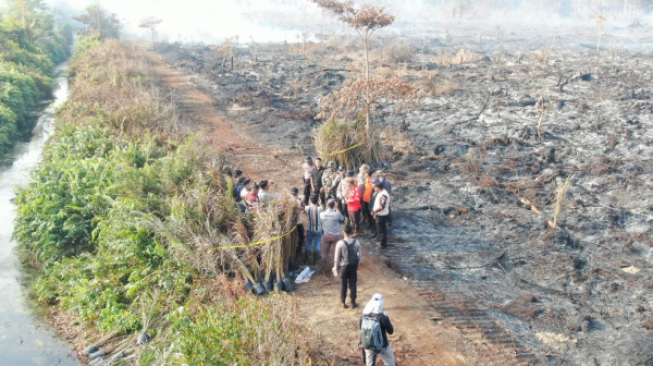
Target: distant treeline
column 31, row 44
column 559, row 7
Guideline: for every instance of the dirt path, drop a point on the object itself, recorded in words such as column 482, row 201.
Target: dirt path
column 418, row 340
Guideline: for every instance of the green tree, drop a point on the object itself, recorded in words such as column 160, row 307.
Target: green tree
column 26, row 10
column 30, row 46
column 99, row 23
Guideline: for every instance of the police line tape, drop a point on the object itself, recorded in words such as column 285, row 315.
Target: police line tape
column 260, row 242
column 341, row 151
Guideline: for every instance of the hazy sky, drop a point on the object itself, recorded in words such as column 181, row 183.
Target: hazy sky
column 200, row 19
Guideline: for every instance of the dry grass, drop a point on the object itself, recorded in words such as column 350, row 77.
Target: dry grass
column 560, row 197
column 541, row 57
column 133, row 107
column 113, row 87
column 436, row 85
column 461, row 57
column 333, row 137
column 473, row 161
column 397, row 53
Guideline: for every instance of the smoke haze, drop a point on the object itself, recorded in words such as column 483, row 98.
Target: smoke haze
column 288, row 20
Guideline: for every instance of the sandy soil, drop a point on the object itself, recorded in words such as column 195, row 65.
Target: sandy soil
column 419, row 340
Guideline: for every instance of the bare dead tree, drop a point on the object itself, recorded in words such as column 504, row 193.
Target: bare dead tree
column 600, row 20
column 151, row 23
column 254, row 48
column 365, row 20
column 227, row 50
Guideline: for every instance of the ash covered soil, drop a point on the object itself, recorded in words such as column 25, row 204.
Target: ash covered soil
column 476, row 177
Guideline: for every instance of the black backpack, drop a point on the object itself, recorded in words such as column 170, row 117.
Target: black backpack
column 352, row 255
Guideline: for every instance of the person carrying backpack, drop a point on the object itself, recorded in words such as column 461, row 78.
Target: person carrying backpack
column 375, row 327
column 346, row 264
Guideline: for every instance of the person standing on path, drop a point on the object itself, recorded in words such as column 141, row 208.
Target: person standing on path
column 381, row 213
column 309, row 169
column 387, row 185
column 360, row 180
column 331, row 220
column 328, row 178
column 354, row 205
column 342, row 190
column 316, row 180
column 366, row 192
column 300, row 223
column 314, row 230
column 374, row 309
column 346, row 263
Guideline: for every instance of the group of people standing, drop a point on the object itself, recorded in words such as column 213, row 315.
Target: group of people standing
column 337, row 202
column 333, row 197
column 362, row 197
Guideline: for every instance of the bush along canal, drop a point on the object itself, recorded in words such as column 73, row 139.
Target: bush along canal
column 24, row 340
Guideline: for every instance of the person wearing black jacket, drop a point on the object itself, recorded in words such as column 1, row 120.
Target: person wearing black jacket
column 375, row 308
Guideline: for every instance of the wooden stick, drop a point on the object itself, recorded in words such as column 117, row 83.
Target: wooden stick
column 530, row 206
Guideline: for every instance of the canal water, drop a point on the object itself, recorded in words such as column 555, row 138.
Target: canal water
column 24, row 339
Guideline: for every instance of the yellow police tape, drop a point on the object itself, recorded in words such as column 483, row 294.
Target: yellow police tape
column 260, row 242
column 341, row 151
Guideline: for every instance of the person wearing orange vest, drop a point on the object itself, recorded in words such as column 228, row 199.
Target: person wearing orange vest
column 367, row 191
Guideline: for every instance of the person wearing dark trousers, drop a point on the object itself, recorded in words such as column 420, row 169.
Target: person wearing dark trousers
column 381, row 213
column 354, row 205
column 343, row 189
column 309, row 170
column 316, row 180
column 374, row 309
column 300, row 224
column 387, row 185
column 331, row 221
column 366, row 192
column 347, row 261
column 328, row 181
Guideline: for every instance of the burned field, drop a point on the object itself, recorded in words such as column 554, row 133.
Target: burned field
column 479, row 161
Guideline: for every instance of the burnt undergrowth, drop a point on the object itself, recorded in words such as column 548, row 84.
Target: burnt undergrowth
column 478, row 162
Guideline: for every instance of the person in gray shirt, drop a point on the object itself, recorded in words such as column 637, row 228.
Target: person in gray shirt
column 331, row 220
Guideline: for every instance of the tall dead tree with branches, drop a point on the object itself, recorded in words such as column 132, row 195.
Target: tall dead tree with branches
column 366, row 20
column 227, row 48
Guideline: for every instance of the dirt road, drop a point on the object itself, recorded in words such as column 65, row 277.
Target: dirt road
column 418, row 339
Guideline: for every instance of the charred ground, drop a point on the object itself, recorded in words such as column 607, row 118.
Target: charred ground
column 476, row 179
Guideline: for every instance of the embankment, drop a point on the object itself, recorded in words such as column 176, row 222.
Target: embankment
column 124, row 221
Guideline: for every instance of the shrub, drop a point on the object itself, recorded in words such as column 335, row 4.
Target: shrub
column 27, row 59
column 125, row 218
column 346, row 143
column 398, row 53
column 257, row 333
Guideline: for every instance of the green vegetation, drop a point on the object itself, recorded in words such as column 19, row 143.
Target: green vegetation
column 30, row 46
column 125, row 217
